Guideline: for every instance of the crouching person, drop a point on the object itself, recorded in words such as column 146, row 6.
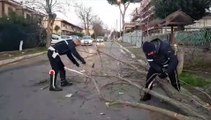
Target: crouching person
column 66, row 47
column 162, row 61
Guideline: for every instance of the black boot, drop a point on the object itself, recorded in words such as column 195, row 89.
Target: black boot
column 146, row 97
column 53, row 86
column 65, row 83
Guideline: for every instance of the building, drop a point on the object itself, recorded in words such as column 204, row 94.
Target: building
column 205, row 22
column 147, row 18
column 8, row 6
column 63, row 27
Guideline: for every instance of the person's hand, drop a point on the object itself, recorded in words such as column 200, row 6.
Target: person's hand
column 77, row 65
column 163, row 75
column 84, row 62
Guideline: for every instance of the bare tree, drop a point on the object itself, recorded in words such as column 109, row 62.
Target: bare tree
column 97, row 26
column 123, row 6
column 49, row 7
column 85, row 15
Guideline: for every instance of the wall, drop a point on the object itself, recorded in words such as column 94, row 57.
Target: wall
column 134, row 38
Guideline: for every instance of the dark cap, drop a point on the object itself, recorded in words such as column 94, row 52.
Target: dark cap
column 148, row 47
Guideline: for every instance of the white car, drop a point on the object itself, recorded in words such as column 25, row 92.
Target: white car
column 57, row 38
column 86, row 40
column 100, row 39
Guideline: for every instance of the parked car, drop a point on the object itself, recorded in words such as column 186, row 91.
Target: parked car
column 100, row 39
column 57, row 38
column 75, row 37
column 86, row 40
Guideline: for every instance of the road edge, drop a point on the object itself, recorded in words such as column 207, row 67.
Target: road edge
column 15, row 59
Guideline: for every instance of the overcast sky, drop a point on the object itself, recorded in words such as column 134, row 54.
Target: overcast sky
column 109, row 14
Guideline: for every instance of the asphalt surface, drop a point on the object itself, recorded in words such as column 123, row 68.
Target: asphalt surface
column 24, row 94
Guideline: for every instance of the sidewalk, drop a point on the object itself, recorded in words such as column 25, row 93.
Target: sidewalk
column 13, row 56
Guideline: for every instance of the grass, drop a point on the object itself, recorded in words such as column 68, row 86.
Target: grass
column 136, row 51
column 12, row 54
column 194, row 80
column 125, row 44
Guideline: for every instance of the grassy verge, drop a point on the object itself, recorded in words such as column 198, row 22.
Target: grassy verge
column 136, row 51
column 12, row 54
column 194, row 80
column 125, row 44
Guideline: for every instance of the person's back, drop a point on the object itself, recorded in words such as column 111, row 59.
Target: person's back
column 63, row 46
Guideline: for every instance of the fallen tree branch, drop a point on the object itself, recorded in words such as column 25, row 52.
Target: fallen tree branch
column 183, row 107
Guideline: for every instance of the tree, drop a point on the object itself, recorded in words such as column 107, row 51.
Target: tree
column 195, row 8
column 125, row 4
column 97, row 27
column 49, row 7
column 26, row 30
column 56, row 28
column 85, row 15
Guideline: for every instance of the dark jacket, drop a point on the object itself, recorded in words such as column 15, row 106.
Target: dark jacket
column 68, row 48
column 165, row 57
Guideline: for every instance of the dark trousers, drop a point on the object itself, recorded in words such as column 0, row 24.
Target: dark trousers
column 152, row 74
column 57, row 65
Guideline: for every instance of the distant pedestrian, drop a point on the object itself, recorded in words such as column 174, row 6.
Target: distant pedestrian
column 66, row 47
column 163, row 62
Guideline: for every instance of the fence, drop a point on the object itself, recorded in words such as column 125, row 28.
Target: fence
column 134, row 38
column 200, row 38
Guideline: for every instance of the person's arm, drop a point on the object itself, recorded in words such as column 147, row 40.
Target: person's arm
column 172, row 66
column 69, row 55
column 152, row 64
column 76, row 54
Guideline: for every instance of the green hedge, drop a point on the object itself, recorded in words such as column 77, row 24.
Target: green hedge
column 14, row 28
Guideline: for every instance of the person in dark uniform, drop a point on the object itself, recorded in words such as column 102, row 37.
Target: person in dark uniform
column 66, row 47
column 162, row 61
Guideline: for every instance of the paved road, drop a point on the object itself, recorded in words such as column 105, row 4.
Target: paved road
column 21, row 96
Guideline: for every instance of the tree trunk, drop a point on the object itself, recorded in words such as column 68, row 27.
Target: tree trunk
column 180, row 57
column 51, row 18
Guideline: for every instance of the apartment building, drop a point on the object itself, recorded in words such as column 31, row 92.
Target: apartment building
column 64, row 27
column 7, row 6
column 205, row 22
column 147, row 18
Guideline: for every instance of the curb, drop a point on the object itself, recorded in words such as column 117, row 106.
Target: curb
column 11, row 60
column 132, row 55
column 142, row 62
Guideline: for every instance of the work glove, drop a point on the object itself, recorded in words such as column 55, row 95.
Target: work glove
column 163, row 75
column 84, row 62
column 77, row 65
